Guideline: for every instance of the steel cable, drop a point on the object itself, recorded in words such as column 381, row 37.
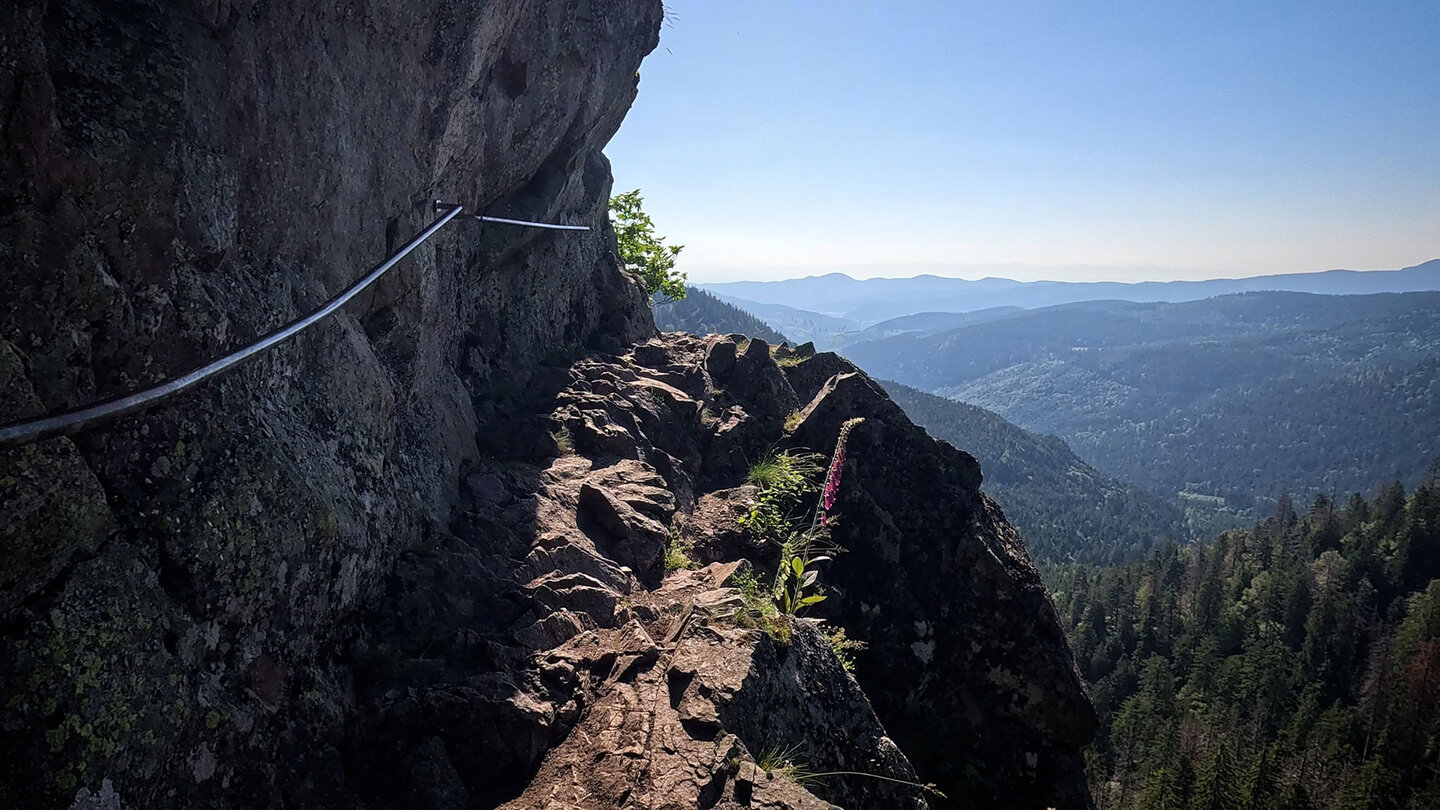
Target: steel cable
column 25, row 432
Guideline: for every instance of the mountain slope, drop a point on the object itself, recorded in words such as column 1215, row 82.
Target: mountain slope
column 701, row 313
column 926, row 323
column 1065, row 508
column 1237, row 397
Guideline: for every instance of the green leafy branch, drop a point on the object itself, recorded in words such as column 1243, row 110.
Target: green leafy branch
column 642, row 251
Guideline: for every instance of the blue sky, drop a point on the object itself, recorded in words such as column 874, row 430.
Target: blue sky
column 1117, row 140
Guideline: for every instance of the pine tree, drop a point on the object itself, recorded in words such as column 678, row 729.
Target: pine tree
column 1373, row 787
column 1261, row 791
column 1215, row 783
column 1160, row 792
column 1419, row 559
column 1184, row 779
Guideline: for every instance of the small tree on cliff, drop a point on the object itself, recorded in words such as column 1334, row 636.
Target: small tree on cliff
column 644, row 252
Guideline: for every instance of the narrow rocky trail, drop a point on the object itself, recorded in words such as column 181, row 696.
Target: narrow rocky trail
column 619, row 684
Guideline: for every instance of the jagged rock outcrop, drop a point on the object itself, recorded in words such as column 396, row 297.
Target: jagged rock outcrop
column 615, row 684
column 967, row 663
column 966, row 668
column 416, row 557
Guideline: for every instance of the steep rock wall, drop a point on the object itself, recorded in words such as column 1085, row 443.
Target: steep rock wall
column 179, row 178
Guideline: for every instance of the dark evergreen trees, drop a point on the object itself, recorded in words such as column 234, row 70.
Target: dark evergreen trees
column 701, row 313
column 1296, row 664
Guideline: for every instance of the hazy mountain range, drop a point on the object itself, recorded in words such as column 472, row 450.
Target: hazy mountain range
column 855, row 304
column 1240, row 396
column 1214, row 400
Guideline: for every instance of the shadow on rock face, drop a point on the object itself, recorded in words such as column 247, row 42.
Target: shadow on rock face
column 797, row 703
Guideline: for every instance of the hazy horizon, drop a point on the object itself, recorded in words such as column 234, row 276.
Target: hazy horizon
column 1012, row 271
column 1196, row 141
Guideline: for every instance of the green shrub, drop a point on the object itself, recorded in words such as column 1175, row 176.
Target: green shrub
column 843, row 647
column 782, row 478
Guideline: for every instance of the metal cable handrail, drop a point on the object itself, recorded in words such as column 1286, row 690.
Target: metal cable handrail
column 26, row 432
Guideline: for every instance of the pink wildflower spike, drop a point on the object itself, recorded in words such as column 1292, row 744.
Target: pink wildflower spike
column 832, row 476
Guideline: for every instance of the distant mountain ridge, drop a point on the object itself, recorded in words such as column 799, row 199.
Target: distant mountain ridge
column 869, row 301
column 1239, row 397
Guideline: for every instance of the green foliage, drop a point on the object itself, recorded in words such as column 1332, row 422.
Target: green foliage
column 786, row 761
column 782, row 479
column 1261, row 789
column 757, row 609
column 701, row 313
column 677, row 557
column 563, row 442
column 1162, row 791
column 641, row 250
column 843, row 647
column 781, row 761
column 1375, row 787
column 1215, row 783
column 1298, row 662
column 788, row 474
column 796, row 579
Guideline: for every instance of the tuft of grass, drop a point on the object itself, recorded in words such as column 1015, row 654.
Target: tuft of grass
column 790, row 472
column 782, row 761
column 782, row 478
column 563, row 440
column 758, row 610
column 677, row 557
column 789, row 361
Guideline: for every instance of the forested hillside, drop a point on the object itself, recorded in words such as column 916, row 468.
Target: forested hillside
column 701, row 313
column 1065, row 508
column 1295, row 665
column 1242, row 397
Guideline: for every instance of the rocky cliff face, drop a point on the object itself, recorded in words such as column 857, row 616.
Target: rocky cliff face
column 414, row 558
